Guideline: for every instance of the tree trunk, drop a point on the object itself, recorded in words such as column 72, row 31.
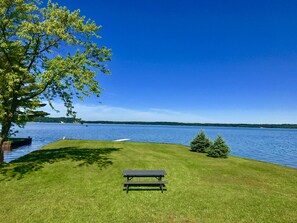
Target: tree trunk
column 6, row 124
column 1, row 151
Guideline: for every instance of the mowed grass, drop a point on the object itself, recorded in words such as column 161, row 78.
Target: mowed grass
column 80, row 181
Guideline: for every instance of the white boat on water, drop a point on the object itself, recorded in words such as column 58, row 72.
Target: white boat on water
column 121, row 140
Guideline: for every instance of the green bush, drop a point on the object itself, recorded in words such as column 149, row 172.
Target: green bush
column 201, row 143
column 219, row 149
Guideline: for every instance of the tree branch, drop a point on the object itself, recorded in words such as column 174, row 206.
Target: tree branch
column 5, row 53
column 34, row 54
column 49, row 46
column 33, row 95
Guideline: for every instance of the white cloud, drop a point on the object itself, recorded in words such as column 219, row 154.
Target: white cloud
column 110, row 113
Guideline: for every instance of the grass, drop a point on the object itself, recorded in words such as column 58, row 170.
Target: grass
column 80, row 181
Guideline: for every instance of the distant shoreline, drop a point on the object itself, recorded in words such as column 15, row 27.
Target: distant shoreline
column 79, row 121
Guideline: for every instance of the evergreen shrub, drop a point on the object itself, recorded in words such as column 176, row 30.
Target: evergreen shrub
column 200, row 143
column 219, row 149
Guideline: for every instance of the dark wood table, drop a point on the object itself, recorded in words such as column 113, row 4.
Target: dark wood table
column 129, row 174
column 144, row 173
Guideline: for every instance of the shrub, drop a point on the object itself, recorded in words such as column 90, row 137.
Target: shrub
column 201, row 143
column 219, row 149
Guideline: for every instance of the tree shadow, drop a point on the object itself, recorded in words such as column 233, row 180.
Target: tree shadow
column 36, row 160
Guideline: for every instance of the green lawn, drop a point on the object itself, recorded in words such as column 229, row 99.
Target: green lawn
column 80, row 181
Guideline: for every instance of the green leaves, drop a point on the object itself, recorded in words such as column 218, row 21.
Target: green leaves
column 46, row 53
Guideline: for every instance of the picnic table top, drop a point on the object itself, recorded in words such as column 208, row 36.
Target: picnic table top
column 144, row 173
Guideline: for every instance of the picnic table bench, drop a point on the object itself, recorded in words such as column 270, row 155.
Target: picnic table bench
column 158, row 174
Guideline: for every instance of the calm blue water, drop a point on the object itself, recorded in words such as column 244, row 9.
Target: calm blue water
column 271, row 145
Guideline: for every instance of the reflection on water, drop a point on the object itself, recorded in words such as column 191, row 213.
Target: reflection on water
column 270, row 145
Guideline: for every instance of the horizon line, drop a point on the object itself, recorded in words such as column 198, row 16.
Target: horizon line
column 176, row 122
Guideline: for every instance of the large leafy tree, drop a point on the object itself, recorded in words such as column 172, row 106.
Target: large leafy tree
column 46, row 52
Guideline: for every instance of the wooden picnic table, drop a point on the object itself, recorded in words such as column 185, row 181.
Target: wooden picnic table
column 158, row 174
column 144, row 173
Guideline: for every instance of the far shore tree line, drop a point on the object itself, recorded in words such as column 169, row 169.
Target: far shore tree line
column 217, row 149
column 78, row 120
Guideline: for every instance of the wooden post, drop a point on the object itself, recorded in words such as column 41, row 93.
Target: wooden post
column 6, row 146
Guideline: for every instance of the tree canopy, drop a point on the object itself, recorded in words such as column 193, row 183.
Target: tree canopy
column 46, row 52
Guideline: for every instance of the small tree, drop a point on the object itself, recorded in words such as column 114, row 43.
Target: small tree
column 219, row 149
column 201, row 143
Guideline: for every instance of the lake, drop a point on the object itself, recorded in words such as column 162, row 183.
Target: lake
column 270, row 145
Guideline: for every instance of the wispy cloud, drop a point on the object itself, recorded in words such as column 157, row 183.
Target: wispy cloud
column 111, row 113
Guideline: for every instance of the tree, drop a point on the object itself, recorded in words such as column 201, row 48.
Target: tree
column 46, row 52
column 219, row 149
column 201, row 143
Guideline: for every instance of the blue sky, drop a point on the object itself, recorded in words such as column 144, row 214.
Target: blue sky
column 195, row 61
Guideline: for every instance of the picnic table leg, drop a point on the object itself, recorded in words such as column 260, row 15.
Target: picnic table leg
column 127, row 188
column 161, row 187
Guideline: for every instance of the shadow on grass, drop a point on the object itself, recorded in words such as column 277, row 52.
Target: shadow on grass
column 36, row 160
